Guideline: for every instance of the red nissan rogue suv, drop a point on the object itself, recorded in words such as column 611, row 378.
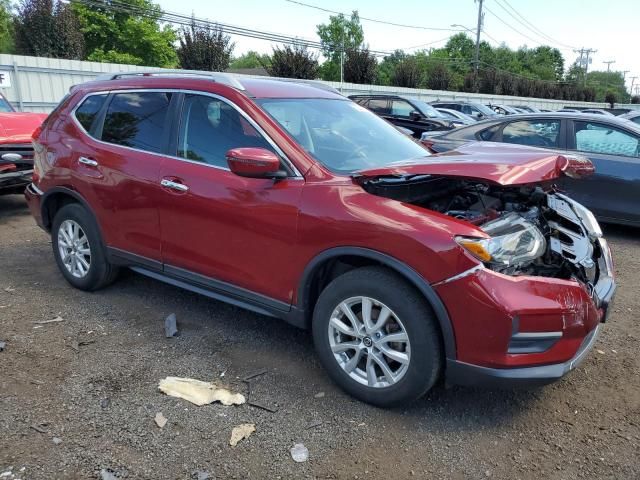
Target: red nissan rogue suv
column 292, row 201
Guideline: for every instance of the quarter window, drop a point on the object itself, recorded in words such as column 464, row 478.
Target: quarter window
column 209, row 128
column 601, row 138
column 137, row 120
column 535, row 133
column 88, row 110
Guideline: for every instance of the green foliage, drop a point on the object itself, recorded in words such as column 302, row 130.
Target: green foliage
column 6, row 27
column 635, row 99
column 204, row 48
column 407, row 73
column 132, row 33
column 604, row 82
column 340, row 33
column 293, row 62
column 388, row 65
column 99, row 55
column 360, row 66
column 47, row 28
column 611, row 99
column 251, row 59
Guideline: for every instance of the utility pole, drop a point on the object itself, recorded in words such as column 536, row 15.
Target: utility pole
column 342, row 58
column 586, row 63
column 609, row 62
column 477, row 54
column 633, row 80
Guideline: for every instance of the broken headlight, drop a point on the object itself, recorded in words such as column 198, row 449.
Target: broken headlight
column 513, row 241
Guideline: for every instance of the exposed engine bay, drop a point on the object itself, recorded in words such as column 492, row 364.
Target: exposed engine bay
column 532, row 231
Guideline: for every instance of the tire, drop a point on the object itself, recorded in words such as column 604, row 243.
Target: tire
column 100, row 272
column 416, row 363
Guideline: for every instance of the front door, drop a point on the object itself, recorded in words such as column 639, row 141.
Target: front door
column 220, row 229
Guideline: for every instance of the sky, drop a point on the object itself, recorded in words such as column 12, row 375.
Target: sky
column 611, row 28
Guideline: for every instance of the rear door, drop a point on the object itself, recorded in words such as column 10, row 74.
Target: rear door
column 117, row 166
column 613, row 192
column 219, row 229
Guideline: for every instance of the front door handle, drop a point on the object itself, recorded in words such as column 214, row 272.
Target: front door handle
column 181, row 187
column 88, row 161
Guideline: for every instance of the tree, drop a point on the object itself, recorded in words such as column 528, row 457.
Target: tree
column 47, row 28
column 387, row 67
column 126, row 32
column 635, row 99
column 293, row 62
column 611, row 99
column 438, row 77
column 251, row 59
column 360, row 66
column 407, row 74
column 204, row 48
column 6, row 27
column 340, row 34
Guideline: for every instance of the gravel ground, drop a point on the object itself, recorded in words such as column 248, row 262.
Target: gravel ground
column 79, row 396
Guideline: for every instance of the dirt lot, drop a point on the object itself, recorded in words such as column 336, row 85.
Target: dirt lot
column 91, row 380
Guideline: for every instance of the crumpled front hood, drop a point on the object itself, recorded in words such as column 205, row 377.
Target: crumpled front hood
column 17, row 127
column 494, row 162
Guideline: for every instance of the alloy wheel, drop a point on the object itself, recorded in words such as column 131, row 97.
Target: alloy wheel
column 369, row 342
column 74, row 248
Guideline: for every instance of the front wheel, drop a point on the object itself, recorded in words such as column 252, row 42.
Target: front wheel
column 377, row 337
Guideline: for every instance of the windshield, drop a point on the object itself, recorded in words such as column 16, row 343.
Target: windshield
column 483, row 109
column 341, row 134
column 426, row 109
column 5, row 106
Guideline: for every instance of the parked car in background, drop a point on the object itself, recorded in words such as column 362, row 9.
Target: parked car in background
column 528, row 108
column 458, row 118
column 597, row 111
column 569, row 110
column 633, row 115
column 477, row 111
column 504, row 109
column 294, row 202
column 612, row 144
column 406, row 112
column 16, row 151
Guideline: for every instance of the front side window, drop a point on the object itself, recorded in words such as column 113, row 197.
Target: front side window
column 535, row 133
column 88, row 110
column 400, row 108
column 341, row 134
column 600, row 138
column 209, row 128
column 137, row 120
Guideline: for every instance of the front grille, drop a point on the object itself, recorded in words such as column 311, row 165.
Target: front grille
column 25, row 150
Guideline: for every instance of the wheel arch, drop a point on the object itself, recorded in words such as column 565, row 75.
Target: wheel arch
column 324, row 264
column 56, row 198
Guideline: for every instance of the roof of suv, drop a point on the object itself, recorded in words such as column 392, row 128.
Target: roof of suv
column 253, row 87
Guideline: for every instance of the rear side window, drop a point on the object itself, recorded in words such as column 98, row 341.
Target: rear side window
column 88, row 110
column 378, row 105
column 137, row 120
column 535, row 133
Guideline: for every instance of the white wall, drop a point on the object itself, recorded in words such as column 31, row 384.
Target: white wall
column 38, row 84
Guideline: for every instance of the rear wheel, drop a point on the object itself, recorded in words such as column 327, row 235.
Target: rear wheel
column 377, row 337
column 78, row 250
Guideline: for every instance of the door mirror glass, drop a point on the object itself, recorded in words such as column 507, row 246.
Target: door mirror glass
column 254, row 163
column 415, row 115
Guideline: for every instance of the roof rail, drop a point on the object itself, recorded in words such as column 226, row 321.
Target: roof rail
column 218, row 77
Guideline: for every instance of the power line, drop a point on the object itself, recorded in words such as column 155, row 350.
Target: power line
column 531, row 26
column 374, row 20
column 511, row 27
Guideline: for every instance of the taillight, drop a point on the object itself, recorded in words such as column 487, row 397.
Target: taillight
column 575, row 166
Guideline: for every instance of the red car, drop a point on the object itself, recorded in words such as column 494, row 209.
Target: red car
column 16, row 152
column 294, row 202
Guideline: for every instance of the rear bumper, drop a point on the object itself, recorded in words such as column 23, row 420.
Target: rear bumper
column 33, row 195
column 460, row 373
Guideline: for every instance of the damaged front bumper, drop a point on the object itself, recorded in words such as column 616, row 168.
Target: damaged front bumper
column 527, row 329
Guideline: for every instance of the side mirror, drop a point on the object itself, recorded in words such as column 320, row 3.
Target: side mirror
column 254, row 163
column 478, row 115
column 415, row 115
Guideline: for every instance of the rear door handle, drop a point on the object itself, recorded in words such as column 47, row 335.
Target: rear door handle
column 88, row 161
column 181, row 187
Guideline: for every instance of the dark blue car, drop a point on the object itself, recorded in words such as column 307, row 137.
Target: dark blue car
column 611, row 143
